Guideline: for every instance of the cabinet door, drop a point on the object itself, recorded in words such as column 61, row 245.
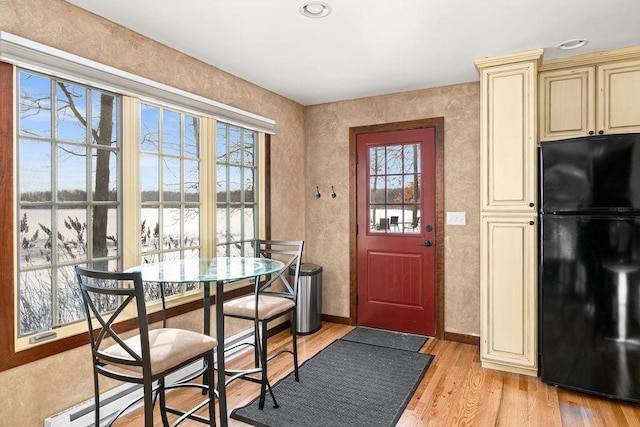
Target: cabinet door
column 619, row 97
column 508, row 295
column 508, row 138
column 567, row 103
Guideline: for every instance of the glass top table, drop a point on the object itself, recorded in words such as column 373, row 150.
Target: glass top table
column 221, row 271
column 226, row 269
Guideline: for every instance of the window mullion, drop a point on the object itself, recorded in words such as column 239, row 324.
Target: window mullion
column 161, row 205
column 130, row 161
column 242, row 195
column 183, row 198
column 228, row 192
column 208, row 185
column 55, row 211
column 88, row 165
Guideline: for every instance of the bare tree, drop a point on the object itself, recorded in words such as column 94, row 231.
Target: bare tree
column 103, row 137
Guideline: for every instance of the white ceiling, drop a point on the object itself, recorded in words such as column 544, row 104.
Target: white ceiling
column 369, row 47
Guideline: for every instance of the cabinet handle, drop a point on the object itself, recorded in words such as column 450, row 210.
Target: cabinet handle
column 532, row 204
column 591, row 132
column 531, row 223
column 600, row 132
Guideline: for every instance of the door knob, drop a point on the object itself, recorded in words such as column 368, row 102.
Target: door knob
column 427, row 243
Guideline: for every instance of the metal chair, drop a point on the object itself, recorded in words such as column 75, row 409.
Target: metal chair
column 383, row 224
column 149, row 355
column 394, row 223
column 414, row 224
column 268, row 303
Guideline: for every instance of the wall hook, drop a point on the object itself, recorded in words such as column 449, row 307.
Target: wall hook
column 317, row 192
column 333, row 193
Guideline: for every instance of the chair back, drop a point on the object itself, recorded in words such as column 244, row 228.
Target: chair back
column 416, row 222
column 106, row 297
column 290, row 253
column 383, row 224
column 394, row 222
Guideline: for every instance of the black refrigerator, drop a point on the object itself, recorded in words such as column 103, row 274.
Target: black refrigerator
column 589, row 265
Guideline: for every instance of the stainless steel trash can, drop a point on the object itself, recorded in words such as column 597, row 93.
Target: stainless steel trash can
column 309, row 310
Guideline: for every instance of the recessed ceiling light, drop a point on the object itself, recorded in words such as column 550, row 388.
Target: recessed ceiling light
column 572, row 44
column 315, row 9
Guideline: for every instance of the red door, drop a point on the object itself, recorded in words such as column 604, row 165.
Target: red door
column 396, row 230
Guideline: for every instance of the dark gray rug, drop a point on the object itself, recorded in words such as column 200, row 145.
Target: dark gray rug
column 346, row 384
column 384, row 338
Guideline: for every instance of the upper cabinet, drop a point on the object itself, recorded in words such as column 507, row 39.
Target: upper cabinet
column 567, row 103
column 589, row 99
column 619, row 97
column 508, row 132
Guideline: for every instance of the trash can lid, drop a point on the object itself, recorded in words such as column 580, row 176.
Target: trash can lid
column 306, row 269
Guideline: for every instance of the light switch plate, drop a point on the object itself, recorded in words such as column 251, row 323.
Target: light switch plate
column 456, row 218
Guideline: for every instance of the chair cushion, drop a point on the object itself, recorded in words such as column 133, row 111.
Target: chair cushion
column 268, row 306
column 169, row 347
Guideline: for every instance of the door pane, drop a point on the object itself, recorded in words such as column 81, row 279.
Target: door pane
column 394, row 192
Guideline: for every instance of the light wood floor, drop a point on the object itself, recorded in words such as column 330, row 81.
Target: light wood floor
column 455, row 391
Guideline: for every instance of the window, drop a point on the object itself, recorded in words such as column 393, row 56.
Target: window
column 69, row 205
column 170, row 189
column 394, row 198
column 79, row 162
column 71, row 208
column 236, row 180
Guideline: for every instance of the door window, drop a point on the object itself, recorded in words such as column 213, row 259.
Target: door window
column 394, row 189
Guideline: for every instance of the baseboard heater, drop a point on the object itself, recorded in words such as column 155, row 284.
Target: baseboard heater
column 112, row 401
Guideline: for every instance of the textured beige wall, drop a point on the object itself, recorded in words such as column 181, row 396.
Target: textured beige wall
column 32, row 392
column 327, row 235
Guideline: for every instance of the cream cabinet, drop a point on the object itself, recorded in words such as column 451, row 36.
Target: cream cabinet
column 508, row 137
column 567, row 103
column 619, row 97
column 590, row 100
column 508, row 189
column 509, row 293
